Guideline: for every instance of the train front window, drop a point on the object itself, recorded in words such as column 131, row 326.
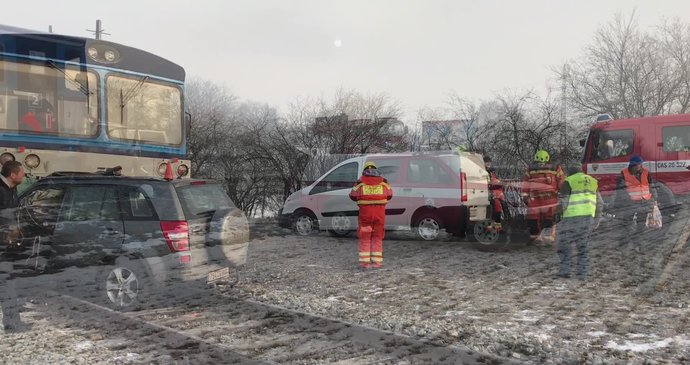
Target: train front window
column 48, row 98
column 143, row 110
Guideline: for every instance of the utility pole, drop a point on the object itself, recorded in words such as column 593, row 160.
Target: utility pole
column 564, row 107
column 99, row 30
column 50, row 29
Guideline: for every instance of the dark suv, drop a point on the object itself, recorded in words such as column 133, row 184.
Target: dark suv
column 125, row 241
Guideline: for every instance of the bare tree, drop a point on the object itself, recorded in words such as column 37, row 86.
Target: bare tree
column 458, row 122
column 365, row 126
column 522, row 124
column 212, row 108
column 471, row 114
column 675, row 36
column 629, row 73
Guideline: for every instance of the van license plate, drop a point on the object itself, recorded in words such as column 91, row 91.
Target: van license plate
column 217, row 275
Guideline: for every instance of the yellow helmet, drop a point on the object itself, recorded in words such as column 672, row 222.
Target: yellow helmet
column 542, row 156
column 369, row 165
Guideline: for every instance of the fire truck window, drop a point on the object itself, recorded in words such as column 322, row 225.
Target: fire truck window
column 676, row 139
column 612, row 144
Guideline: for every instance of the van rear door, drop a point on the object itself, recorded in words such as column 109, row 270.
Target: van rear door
column 474, row 179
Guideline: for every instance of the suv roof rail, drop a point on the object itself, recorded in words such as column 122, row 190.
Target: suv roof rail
column 74, row 173
column 111, row 171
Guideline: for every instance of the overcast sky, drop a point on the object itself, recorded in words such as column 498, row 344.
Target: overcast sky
column 417, row 51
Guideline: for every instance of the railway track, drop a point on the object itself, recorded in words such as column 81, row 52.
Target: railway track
column 224, row 329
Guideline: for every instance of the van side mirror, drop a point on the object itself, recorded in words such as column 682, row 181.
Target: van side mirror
column 582, row 142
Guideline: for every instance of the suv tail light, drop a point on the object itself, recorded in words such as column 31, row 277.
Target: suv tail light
column 176, row 235
column 463, row 186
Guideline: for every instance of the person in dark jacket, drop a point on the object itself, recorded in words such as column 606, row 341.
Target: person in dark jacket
column 636, row 196
column 11, row 175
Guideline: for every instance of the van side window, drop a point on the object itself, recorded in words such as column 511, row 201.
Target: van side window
column 389, row 169
column 612, row 144
column 427, row 171
column 676, row 139
column 344, row 177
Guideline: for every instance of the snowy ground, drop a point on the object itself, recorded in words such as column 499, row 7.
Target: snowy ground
column 506, row 303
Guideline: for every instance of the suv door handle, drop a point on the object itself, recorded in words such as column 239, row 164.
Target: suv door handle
column 407, row 189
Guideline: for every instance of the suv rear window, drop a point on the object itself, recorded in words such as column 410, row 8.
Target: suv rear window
column 202, row 200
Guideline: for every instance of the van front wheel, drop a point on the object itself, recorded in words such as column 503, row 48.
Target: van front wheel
column 305, row 223
column 428, row 226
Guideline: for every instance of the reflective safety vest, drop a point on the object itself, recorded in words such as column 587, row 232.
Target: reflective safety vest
column 583, row 196
column 637, row 189
column 371, row 190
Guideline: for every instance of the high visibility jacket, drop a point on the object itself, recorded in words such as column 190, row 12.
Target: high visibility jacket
column 371, row 190
column 637, row 189
column 583, row 196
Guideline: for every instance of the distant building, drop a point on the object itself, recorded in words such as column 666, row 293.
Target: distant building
column 442, row 134
column 390, row 133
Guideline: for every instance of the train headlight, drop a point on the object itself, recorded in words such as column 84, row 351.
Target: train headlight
column 109, row 56
column 6, row 157
column 103, row 53
column 182, row 170
column 161, row 168
column 93, row 53
column 32, row 161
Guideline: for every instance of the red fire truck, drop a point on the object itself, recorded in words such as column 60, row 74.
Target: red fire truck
column 662, row 141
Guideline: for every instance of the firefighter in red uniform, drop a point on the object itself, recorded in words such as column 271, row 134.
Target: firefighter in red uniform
column 371, row 193
column 540, row 187
column 497, row 197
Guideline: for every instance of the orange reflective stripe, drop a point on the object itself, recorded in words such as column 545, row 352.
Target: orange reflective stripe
column 637, row 189
column 357, row 186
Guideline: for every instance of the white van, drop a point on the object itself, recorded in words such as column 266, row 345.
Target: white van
column 431, row 192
